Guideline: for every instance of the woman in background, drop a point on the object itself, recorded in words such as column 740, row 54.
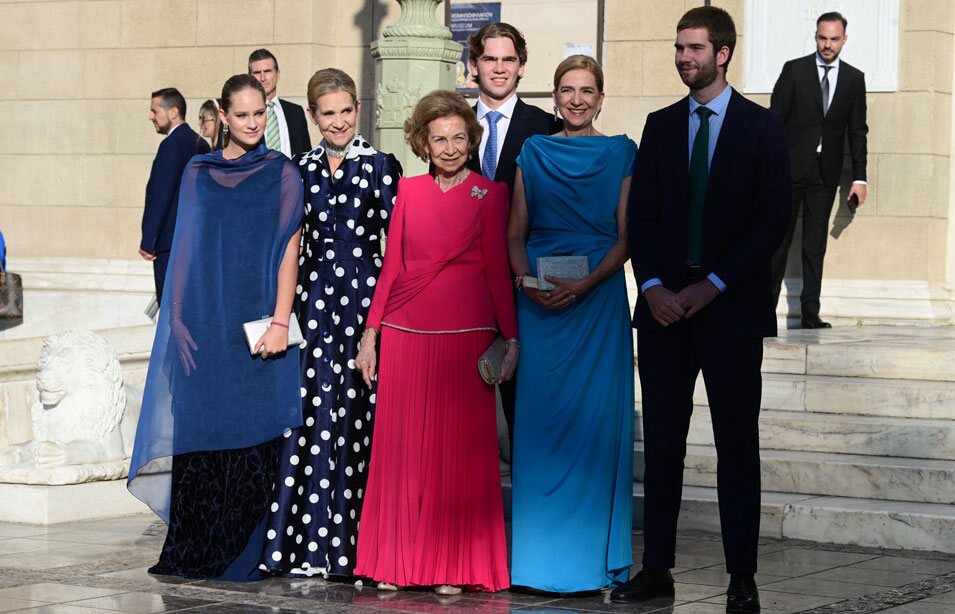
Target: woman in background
column 573, row 449
column 349, row 193
column 206, row 446
column 210, row 126
column 433, row 514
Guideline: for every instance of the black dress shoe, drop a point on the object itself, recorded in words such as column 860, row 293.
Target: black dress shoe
column 814, row 322
column 647, row 584
column 742, row 596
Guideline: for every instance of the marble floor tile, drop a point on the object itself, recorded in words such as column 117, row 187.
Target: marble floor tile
column 786, row 602
column 54, row 593
column 717, row 577
column 920, row 607
column 38, row 561
column 897, row 563
column 817, row 557
column 823, row 588
column 9, row 604
column 140, row 603
column 788, row 569
column 943, row 598
column 140, row 574
column 60, row 608
column 875, row 577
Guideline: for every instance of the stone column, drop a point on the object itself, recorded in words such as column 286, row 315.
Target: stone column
column 414, row 56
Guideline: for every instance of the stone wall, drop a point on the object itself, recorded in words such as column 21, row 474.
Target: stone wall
column 78, row 77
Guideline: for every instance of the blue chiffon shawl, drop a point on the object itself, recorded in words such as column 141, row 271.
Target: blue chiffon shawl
column 235, row 219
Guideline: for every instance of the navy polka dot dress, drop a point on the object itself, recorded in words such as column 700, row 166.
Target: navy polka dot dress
column 323, row 465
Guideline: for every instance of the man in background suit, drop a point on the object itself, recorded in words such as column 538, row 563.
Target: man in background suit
column 285, row 128
column 822, row 100
column 497, row 54
column 167, row 112
column 709, row 206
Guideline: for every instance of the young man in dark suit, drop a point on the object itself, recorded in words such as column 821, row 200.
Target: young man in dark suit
column 497, row 54
column 822, row 101
column 285, row 128
column 709, row 206
column 167, row 112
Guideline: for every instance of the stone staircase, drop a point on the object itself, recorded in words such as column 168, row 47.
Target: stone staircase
column 857, row 435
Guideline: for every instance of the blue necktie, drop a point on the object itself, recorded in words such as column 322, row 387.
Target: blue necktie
column 489, row 161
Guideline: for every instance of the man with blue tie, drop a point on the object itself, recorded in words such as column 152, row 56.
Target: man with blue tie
column 497, row 54
column 710, row 203
column 167, row 112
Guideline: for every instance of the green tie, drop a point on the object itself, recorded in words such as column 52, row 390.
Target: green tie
column 699, row 178
column 272, row 138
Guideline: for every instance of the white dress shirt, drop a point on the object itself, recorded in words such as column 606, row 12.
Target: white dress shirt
column 507, row 111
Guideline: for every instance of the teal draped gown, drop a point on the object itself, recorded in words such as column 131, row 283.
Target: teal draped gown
column 573, row 436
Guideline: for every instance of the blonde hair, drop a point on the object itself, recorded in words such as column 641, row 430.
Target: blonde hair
column 436, row 105
column 576, row 62
column 328, row 81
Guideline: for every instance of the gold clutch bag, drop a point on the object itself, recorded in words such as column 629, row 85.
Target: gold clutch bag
column 489, row 364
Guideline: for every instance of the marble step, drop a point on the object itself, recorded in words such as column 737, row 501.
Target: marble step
column 839, row 433
column 902, row 398
column 820, row 473
column 838, row 520
column 865, row 352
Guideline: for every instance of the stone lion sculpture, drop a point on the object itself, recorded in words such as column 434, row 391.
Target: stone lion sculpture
column 83, row 415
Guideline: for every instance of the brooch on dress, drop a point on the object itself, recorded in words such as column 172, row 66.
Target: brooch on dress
column 477, row 192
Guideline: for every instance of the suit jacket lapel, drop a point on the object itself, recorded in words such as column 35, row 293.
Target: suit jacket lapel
column 733, row 124
column 474, row 161
column 515, row 136
column 812, row 78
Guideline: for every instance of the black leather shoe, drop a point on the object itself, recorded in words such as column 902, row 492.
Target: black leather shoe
column 647, row 584
column 742, row 596
column 814, row 322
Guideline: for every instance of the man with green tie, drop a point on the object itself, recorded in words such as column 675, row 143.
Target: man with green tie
column 285, row 129
column 709, row 205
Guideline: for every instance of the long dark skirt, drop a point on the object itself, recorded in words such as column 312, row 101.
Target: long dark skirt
column 217, row 513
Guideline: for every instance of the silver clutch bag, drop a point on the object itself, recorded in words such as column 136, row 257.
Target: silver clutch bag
column 256, row 328
column 489, row 364
column 564, row 267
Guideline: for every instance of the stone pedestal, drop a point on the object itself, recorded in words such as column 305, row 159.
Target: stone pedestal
column 414, row 56
column 35, row 504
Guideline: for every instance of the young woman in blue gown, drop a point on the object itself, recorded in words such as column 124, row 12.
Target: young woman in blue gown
column 206, row 446
column 573, row 447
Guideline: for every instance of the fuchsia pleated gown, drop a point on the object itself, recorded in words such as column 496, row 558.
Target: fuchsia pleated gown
column 433, row 513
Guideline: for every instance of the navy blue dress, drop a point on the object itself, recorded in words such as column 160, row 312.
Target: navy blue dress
column 323, row 466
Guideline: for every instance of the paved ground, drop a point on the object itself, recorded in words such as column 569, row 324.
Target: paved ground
column 100, row 566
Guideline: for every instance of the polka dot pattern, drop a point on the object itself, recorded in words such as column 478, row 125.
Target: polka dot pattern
column 316, row 502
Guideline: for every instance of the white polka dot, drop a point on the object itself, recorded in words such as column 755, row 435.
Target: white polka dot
column 343, row 300
column 358, row 424
column 387, row 180
column 314, row 189
column 275, row 507
column 329, row 254
column 324, row 484
column 290, row 481
column 368, row 167
column 298, row 539
column 313, row 498
column 322, row 216
column 291, row 557
column 360, row 231
column 336, row 542
column 310, row 372
column 349, row 471
column 316, row 402
column 342, row 198
column 312, row 546
column 322, row 532
column 271, row 534
column 339, row 174
column 347, row 493
column 317, row 352
column 365, row 302
column 312, row 324
column 301, row 441
column 303, row 392
column 287, row 433
column 337, row 518
column 276, row 556
column 308, row 471
column 351, row 393
column 357, row 203
column 356, row 447
column 371, row 281
column 325, row 435
column 355, row 179
column 384, row 214
column 343, row 560
column 293, row 460
column 289, row 531
column 306, row 518
column 310, row 421
column 356, row 252
column 341, row 440
column 315, row 449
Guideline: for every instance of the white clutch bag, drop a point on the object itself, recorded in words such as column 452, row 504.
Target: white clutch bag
column 256, row 328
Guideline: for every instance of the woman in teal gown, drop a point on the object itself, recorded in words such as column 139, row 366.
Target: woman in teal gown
column 573, row 447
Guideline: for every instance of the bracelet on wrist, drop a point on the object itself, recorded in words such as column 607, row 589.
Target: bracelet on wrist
column 513, row 341
column 277, row 323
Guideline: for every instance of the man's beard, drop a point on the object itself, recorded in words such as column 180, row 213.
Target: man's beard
column 704, row 76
